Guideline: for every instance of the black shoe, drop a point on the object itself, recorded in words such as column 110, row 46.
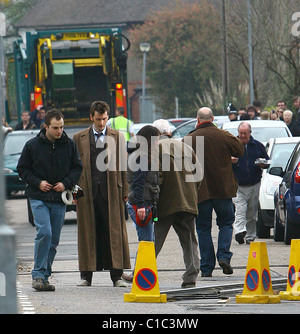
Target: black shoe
column 239, row 237
column 186, row 285
column 225, row 265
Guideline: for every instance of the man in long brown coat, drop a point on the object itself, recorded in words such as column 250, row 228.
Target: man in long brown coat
column 102, row 233
column 217, row 189
column 177, row 204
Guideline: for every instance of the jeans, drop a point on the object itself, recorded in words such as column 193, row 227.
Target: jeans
column 225, row 217
column 145, row 233
column 49, row 219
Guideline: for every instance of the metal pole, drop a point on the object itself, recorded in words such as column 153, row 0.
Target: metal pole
column 250, row 52
column 225, row 81
column 176, row 108
column 144, row 82
column 8, row 294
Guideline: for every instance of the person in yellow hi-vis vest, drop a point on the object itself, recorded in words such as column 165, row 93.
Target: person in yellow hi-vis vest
column 122, row 124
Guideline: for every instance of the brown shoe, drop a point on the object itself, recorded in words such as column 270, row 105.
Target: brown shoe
column 48, row 286
column 38, row 284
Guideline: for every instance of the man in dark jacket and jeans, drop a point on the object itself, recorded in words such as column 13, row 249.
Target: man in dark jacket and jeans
column 248, row 174
column 217, row 189
column 49, row 164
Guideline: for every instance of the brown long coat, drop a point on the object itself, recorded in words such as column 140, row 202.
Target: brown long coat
column 176, row 193
column 219, row 146
column 117, row 191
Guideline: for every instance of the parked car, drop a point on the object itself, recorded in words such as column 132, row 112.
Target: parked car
column 287, row 199
column 279, row 151
column 137, row 126
column 178, row 121
column 190, row 125
column 220, row 120
column 12, row 149
column 261, row 130
column 184, row 129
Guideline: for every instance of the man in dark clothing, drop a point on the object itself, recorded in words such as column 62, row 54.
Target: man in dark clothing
column 217, row 189
column 26, row 123
column 49, row 164
column 248, row 174
column 232, row 113
column 291, row 123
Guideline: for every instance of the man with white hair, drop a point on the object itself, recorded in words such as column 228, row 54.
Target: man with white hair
column 177, row 205
column 291, row 124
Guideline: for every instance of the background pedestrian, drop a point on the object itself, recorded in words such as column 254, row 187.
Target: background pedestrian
column 248, row 174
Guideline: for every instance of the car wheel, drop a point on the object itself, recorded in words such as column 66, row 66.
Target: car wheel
column 291, row 231
column 278, row 228
column 262, row 231
column 30, row 215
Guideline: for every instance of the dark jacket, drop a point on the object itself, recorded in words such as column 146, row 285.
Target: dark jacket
column 54, row 162
column 294, row 128
column 29, row 126
column 143, row 187
column 219, row 147
column 245, row 170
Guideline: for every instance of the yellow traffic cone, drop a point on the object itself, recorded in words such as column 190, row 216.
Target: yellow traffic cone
column 145, row 287
column 258, row 285
column 293, row 282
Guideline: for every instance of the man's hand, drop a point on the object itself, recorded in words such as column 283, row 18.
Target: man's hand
column 45, row 186
column 59, row 187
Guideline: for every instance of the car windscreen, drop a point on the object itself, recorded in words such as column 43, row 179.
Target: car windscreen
column 264, row 134
column 14, row 144
column 185, row 129
column 280, row 154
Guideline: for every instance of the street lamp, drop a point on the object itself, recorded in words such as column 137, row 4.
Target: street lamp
column 144, row 47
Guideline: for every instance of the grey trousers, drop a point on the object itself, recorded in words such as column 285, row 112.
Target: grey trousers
column 184, row 226
column 246, row 205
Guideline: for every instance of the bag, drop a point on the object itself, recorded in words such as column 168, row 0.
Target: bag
column 148, row 215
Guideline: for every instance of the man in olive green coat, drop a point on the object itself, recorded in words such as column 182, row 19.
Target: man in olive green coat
column 217, row 189
column 180, row 176
column 102, row 233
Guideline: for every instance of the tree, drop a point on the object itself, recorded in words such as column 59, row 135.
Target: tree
column 275, row 49
column 184, row 53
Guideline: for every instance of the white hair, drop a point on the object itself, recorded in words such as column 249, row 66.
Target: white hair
column 163, row 126
column 288, row 112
